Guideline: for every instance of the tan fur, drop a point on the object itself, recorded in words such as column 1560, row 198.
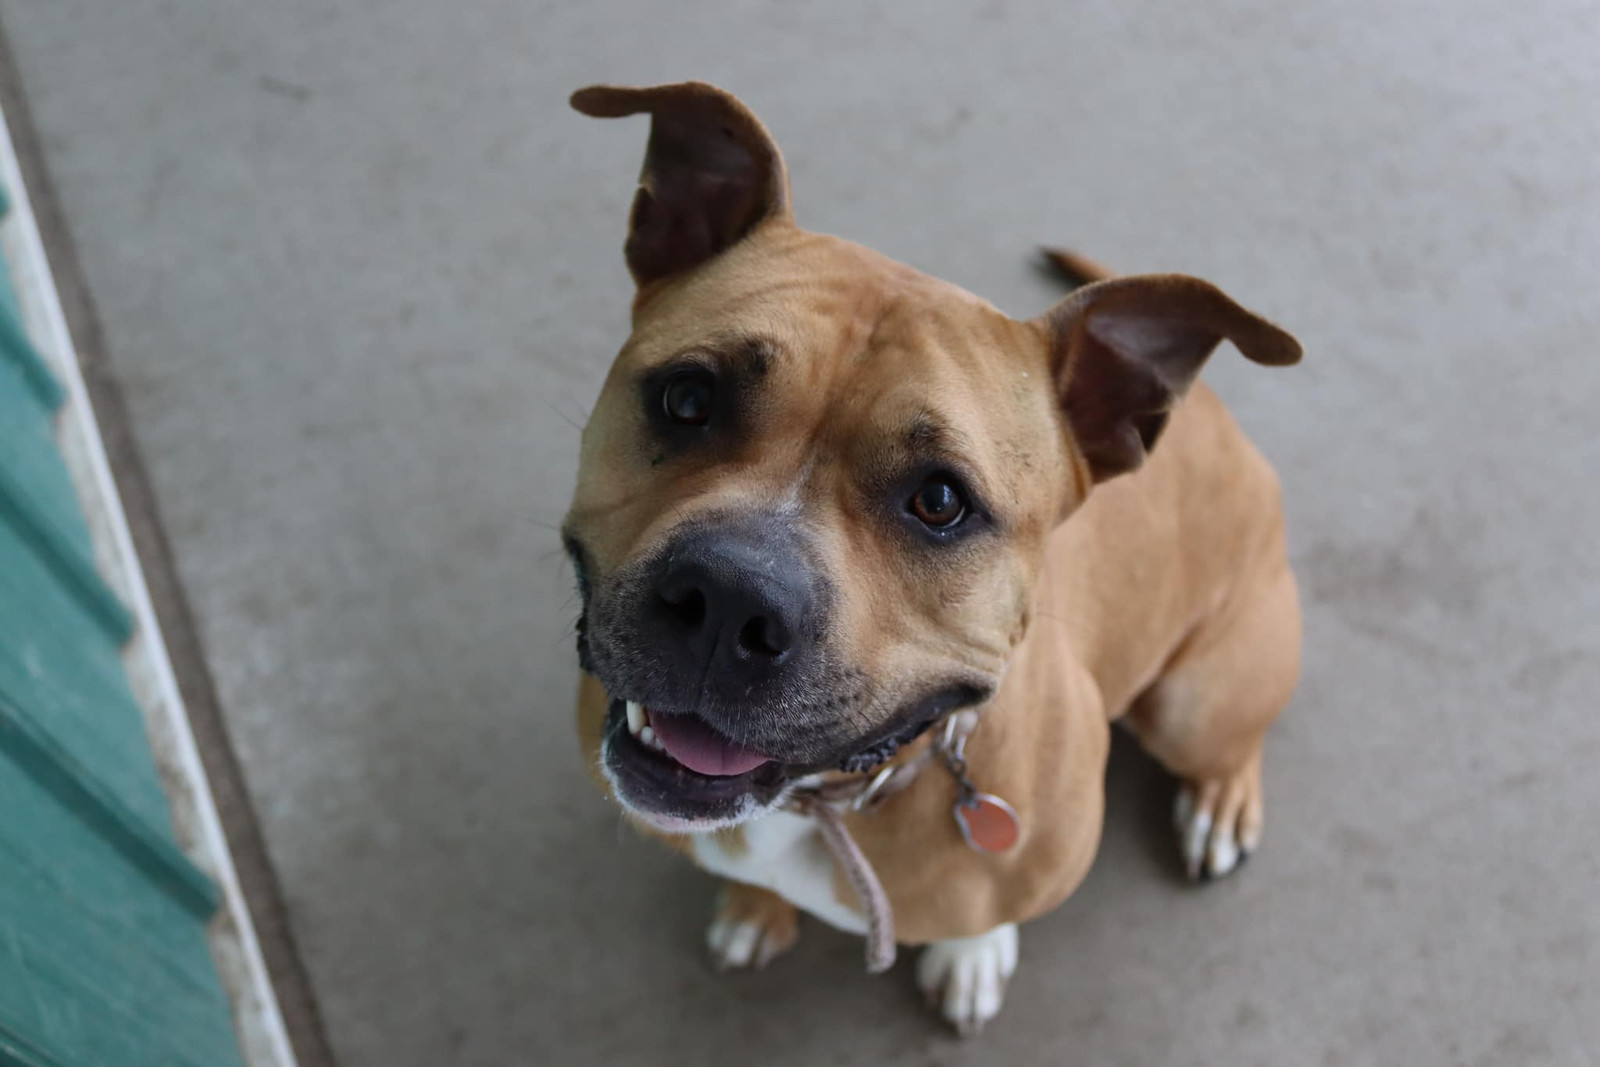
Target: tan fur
column 1165, row 596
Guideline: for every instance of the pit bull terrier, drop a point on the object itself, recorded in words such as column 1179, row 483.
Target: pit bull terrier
column 868, row 568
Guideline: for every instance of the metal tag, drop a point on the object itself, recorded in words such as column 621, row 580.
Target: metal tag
column 988, row 823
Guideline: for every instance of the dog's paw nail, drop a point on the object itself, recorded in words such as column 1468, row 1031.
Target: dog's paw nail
column 1218, row 823
column 1195, row 833
column 741, row 950
column 965, row 978
column 1223, row 856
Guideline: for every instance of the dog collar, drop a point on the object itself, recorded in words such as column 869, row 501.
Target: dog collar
column 987, row 823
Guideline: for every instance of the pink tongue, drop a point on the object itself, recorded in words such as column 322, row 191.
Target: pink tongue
column 700, row 748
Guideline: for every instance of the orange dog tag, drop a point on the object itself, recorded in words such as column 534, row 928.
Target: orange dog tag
column 988, row 823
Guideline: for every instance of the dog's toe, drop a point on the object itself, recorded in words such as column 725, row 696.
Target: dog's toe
column 751, row 928
column 1218, row 824
column 732, row 944
column 966, row 977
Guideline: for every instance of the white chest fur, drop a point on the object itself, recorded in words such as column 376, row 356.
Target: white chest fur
column 784, row 853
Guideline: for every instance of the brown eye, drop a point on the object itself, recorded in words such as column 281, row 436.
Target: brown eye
column 939, row 503
column 687, row 398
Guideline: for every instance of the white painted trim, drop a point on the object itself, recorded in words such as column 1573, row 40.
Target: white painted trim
column 258, row 1021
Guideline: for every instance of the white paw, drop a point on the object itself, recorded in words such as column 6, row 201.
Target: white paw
column 739, row 943
column 966, row 977
column 1218, row 824
column 732, row 944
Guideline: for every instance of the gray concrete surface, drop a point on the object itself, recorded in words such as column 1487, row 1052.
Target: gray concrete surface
column 359, row 275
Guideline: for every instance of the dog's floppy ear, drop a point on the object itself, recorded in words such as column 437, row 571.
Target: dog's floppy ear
column 1125, row 350
column 711, row 173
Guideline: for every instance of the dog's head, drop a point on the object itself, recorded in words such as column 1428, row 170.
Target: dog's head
column 817, row 484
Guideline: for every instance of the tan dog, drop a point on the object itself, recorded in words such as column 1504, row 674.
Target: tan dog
column 826, row 502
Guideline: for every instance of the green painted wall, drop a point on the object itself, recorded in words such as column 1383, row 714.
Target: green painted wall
column 103, row 952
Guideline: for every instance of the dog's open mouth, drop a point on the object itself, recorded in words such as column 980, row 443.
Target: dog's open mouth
column 679, row 769
column 681, row 773
column 692, row 742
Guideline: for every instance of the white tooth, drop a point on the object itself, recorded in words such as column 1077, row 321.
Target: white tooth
column 648, row 736
column 636, row 719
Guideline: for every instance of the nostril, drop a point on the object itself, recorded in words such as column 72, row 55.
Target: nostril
column 761, row 636
column 688, row 606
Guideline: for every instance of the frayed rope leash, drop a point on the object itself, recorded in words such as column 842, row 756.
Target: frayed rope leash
column 863, row 879
column 827, row 802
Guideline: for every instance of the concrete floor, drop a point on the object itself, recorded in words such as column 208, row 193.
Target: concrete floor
column 359, row 273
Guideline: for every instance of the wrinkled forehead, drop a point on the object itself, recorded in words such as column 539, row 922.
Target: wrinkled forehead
column 837, row 348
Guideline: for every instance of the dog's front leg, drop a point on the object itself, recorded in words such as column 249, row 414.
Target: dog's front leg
column 752, row 927
column 965, row 977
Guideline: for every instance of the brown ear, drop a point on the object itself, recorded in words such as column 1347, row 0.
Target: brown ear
column 711, row 173
column 1126, row 350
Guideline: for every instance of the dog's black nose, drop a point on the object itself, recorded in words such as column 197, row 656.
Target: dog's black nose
column 734, row 601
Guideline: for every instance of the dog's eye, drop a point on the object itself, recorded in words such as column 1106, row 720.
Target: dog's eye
column 939, row 503
column 687, row 398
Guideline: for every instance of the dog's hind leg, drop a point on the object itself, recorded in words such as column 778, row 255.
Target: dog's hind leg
column 1206, row 716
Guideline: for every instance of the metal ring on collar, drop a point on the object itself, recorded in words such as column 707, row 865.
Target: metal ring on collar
column 955, row 738
column 871, row 791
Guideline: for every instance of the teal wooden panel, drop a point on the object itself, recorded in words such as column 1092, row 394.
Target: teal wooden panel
column 73, row 861
column 15, row 348
column 103, row 952
column 95, row 966
column 146, row 848
column 31, row 462
column 36, row 491
column 18, row 1051
column 9, row 305
column 65, row 674
column 54, row 544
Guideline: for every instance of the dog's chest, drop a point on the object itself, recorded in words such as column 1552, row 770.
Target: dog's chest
column 784, row 853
